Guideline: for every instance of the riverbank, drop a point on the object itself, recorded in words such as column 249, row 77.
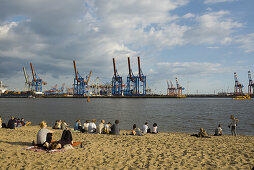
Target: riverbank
column 163, row 150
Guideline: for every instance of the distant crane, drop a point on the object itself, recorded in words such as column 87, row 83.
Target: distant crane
column 171, row 90
column 141, row 81
column 80, row 86
column 132, row 82
column 28, row 82
column 251, row 85
column 238, row 89
column 37, row 81
column 117, row 82
column 179, row 88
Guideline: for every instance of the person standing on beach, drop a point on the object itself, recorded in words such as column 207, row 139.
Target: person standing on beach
column 233, row 125
column 115, row 129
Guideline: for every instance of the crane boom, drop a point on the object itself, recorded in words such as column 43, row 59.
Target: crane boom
column 89, row 77
column 75, row 69
column 139, row 69
column 26, row 76
column 115, row 71
column 33, row 72
column 130, row 71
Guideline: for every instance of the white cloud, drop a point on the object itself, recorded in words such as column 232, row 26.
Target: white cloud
column 217, row 1
column 190, row 68
column 246, row 41
column 188, row 15
column 213, row 27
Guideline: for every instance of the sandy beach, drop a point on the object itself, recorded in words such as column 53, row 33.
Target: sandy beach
column 163, row 150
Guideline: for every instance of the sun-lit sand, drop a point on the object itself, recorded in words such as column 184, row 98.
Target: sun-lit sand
column 163, row 150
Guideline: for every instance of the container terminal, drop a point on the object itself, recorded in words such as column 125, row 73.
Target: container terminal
column 134, row 87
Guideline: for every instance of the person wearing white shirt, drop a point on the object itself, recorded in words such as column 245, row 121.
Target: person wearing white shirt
column 85, row 127
column 145, row 128
column 92, row 126
column 155, row 128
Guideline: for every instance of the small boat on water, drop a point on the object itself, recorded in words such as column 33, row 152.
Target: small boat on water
column 242, row 97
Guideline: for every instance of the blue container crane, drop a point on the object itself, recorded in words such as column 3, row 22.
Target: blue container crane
column 117, row 82
column 141, row 81
column 37, row 81
column 80, row 86
column 132, row 82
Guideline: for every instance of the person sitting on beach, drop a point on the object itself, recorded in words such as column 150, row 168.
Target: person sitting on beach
column 64, row 125
column 218, row 131
column 19, row 123
column 202, row 133
column 0, row 122
column 155, row 128
column 85, row 127
column 92, row 126
column 12, row 123
column 107, row 128
column 100, row 128
column 77, row 126
column 57, row 124
column 135, row 131
column 233, row 125
column 115, row 129
column 145, row 128
column 25, row 123
column 44, row 136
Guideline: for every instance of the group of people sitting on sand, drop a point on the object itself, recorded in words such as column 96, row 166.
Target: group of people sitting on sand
column 14, row 122
column 60, row 125
column 218, row 130
column 108, row 128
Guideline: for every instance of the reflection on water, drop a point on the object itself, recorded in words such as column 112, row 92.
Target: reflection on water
column 172, row 115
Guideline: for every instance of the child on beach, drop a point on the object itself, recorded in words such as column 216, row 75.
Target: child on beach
column 218, row 131
column 233, row 125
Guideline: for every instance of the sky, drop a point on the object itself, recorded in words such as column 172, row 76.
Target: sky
column 201, row 42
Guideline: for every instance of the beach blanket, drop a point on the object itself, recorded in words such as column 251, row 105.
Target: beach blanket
column 40, row 149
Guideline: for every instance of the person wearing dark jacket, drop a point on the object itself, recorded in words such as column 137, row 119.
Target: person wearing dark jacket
column 12, row 123
column 115, row 129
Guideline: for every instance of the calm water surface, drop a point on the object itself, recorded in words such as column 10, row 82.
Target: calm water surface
column 171, row 115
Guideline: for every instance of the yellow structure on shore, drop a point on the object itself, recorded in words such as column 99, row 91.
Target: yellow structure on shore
column 242, row 97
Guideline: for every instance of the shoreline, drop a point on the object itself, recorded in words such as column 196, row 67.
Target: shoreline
column 151, row 151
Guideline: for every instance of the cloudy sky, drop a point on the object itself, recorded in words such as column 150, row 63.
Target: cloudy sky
column 202, row 42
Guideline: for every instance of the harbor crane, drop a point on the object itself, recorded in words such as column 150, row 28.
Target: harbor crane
column 132, row 82
column 171, row 91
column 238, row 89
column 28, row 82
column 179, row 88
column 37, row 81
column 117, row 82
column 80, row 86
column 141, row 80
column 251, row 85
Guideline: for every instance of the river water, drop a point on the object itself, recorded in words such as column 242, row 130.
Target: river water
column 171, row 115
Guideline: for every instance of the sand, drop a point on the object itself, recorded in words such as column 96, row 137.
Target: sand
column 160, row 151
